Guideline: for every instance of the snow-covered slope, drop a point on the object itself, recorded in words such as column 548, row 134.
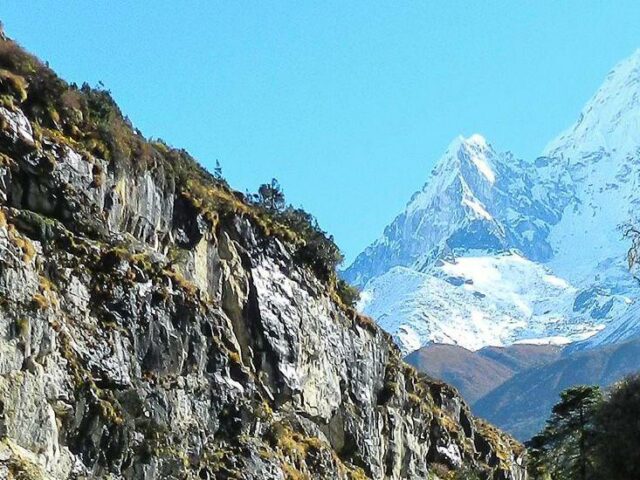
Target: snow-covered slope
column 472, row 301
column 610, row 120
column 496, row 299
column 623, row 328
column 562, row 213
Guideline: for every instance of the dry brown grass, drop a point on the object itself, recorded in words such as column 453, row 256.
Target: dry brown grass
column 21, row 242
column 179, row 280
column 16, row 84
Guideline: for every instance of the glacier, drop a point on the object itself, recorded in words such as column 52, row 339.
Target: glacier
column 496, row 250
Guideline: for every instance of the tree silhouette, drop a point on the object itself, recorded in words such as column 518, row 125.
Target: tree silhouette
column 217, row 172
column 564, row 450
column 270, row 196
column 617, row 424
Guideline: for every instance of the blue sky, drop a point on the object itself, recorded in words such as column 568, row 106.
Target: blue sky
column 348, row 104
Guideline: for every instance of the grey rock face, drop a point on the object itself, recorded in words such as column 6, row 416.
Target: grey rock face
column 140, row 340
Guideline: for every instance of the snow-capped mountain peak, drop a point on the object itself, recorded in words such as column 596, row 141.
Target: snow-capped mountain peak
column 459, row 195
column 469, row 161
column 474, row 150
column 475, row 198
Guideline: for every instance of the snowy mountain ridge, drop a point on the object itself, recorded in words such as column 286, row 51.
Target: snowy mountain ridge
column 610, row 121
column 494, row 250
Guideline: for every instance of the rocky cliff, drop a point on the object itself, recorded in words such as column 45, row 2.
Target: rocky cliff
column 153, row 324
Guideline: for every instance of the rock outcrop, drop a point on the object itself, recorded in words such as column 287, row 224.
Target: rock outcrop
column 144, row 335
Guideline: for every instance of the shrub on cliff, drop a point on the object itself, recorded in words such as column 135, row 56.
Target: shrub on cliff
column 270, row 197
column 317, row 248
column 347, row 293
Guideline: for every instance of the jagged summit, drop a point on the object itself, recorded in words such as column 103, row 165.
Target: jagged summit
column 611, row 118
column 453, row 194
column 467, row 163
column 468, row 201
column 473, row 140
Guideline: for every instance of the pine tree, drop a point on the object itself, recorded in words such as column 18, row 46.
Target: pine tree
column 564, row 450
column 217, row 172
column 270, row 196
column 617, row 424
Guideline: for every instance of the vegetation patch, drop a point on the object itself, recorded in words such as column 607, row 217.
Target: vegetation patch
column 18, row 465
column 15, row 84
column 304, row 457
column 19, row 241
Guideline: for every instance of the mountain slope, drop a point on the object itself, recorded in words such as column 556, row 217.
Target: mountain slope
column 155, row 324
column 478, row 301
column 600, row 155
column 467, row 203
column 476, row 373
column 564, row 214
column 522, row 404
column 624, row 328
